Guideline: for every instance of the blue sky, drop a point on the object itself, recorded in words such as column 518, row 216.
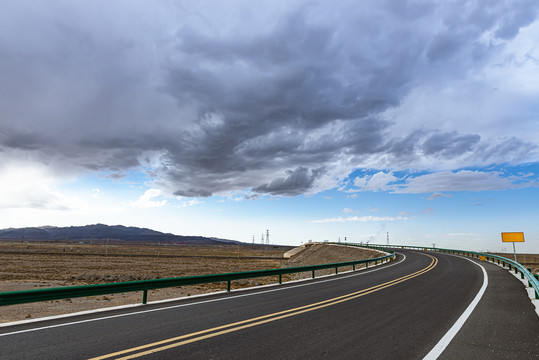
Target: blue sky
column 312, row 120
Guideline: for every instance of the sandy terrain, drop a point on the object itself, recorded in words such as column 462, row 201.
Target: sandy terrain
column 35, row 265
column 528, row 260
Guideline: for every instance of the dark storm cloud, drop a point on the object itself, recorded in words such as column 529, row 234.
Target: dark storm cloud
column 449, row 144
column 297, row 182
column 210, row 110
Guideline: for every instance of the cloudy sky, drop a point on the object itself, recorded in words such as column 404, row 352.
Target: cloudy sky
column 314, row 120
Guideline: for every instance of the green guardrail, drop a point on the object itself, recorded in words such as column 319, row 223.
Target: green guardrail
column 47, row 294
column 525, row 273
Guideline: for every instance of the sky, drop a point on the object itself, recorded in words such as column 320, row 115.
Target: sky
column 315, row 120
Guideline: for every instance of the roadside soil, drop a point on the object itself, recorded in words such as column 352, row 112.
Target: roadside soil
column 37, row 265
column 527, row 260
column 327, row 254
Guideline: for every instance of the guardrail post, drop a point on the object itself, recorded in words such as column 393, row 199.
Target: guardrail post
column 228, row 285
column 144, row 296
column 516, row 270
column 280, row 279
column 366, row 264
column 354, row 267
column 313, row 274
column 336, row 270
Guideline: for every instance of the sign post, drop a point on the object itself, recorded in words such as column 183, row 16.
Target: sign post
column 513, row 237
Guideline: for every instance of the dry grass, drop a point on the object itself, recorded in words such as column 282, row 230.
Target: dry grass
column 91, row 264
column 36, row 265
column 528, row 260
column 32, row 265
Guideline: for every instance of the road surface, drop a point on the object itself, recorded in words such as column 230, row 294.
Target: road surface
column 395, row 311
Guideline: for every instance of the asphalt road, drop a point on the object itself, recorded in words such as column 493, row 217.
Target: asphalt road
column 396, row 311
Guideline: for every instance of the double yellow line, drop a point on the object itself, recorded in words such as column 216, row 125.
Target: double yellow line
column 240, row 325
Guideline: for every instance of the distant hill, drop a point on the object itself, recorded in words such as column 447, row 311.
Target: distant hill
column 102, row 232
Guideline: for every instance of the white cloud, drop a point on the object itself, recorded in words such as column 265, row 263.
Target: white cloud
column 360, row 219
column 146, row 200
column 381, row 181
column 464, row 180
column 438, row 195
column 28, row 185
column 348, row 210
column 440, row 182
column 97, row 193
column 191, row 202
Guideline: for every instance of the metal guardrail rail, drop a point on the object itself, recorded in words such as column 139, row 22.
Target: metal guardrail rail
column 47, row 294
column 533, row 280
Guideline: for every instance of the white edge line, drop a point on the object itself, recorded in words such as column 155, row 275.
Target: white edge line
column 357, row 273
column 446, row 339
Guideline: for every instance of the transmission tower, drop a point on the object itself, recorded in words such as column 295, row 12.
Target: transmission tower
column 388, row 238
column 267, row 237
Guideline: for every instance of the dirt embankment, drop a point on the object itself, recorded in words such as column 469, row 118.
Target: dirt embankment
column 42, row 265
column 326, row 254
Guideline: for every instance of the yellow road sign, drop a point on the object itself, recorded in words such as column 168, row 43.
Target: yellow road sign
column 482, row 258
column 512, row 237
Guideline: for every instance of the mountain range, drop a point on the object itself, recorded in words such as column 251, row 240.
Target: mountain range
column 101, row 232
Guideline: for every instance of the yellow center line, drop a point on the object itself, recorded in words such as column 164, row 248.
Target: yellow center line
column 240, row 325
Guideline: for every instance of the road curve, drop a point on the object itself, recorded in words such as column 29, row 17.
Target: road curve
column 396, row 311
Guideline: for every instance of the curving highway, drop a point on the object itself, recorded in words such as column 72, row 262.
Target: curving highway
column 396, row 311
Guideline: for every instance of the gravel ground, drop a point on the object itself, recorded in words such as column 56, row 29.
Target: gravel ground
column 42, row 265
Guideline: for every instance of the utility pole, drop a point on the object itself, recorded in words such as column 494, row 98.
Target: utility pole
column 388, row 238
column 267, row 237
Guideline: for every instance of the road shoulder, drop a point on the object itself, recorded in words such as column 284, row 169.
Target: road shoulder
column 503, row 326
